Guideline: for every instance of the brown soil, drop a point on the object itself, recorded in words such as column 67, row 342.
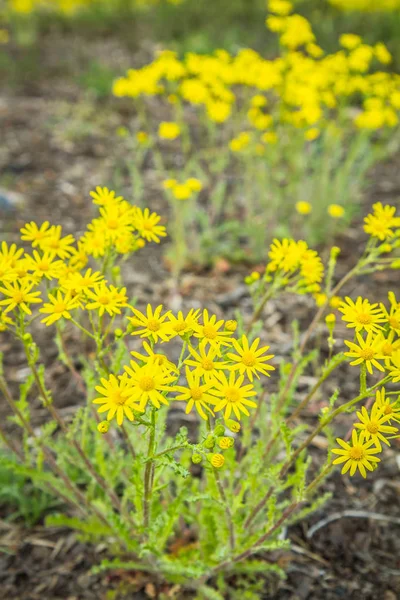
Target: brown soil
column 57, row 144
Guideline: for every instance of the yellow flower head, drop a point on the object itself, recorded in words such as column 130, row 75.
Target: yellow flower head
column 169, row 131
column 335, row 211
column 303, row 208
column 358, row 455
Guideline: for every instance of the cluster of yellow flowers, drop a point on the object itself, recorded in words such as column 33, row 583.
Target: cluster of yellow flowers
column 60, row 260
column 214, row 369
column 184, row 190
column 376, row 346
column 69, row 7
column 367, row 5
column 304, row 87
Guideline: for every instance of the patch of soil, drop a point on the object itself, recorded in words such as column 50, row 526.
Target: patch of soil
column 51, row 161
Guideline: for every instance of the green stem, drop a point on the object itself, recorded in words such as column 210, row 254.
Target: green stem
column 148, row 471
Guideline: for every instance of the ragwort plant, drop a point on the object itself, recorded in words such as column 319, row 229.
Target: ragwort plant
column 262, row 138
column 190, row 508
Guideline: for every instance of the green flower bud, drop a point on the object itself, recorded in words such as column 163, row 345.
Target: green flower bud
column 209, row 442
column 196, row 458
column 219, row 430
column 233, row 425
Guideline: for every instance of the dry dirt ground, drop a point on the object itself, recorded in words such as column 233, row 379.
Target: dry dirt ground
column 58, row 143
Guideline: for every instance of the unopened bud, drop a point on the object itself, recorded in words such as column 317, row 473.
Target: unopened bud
column 103, row 426
column 225, row 442
column 196, row 458
column 219, row 430
column 217, row 461
column 233, row 426
column 209, row 442
column 231, row 325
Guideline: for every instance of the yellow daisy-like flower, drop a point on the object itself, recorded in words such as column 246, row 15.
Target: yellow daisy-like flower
column 367, row 352
column 148, row 382
column 374, row 425
column 106, row 299
column 357, row 455
column 210, row 331
column 147, row 226
column 19, row 294
column 180, row 325
column 303, row 208
column 5, row 321
column 81, row 282
column 59, row 307
column 362, row 315
column 169, row 131
column 205, row 361
column 31, row 232
column 44, row 265
column 386, row 406
column 393, row 367
column 392, row 317
column 117, row 399
column 388, row 346
column 196, row 394
column 233, row 396
column 381, row 222
column 105, row 197
column 158, row 359
column 10, row 254
column 336, row 211
column 152, row 325
column 249, row 359
column 53, row 242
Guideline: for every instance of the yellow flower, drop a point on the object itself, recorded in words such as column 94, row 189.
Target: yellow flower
column 59, row 307
column 362, row 315
column 117, row 399
column 386, row 407
column 194, row 184
column 147, row 384
column 249, row 359
column 350, row 40
column 381, row 222
column 44, row 265
column 152, row 325
column 394, row 367
column 19, row 294
column 106, row 299
column 210, row 331
column 205, row 362
column 312, row 134
column 103, row 426
column 280, row 7
column 147, row 225
column 105, row 197
column 367, row 352
column 181, row 191
column 303, row 208
column 53, row 242
column 82, row 282
column 10, row 254
column 357, row 455
column 233, row 396
column 335, row 211
column 5, row 321
column 392, row 317
column 217, row 461
column 374, row 425
column 160, row 360
column 196, row 394
column 31, row 232
column 225, row 442
column 142, row 137
column 169, row 131
column 181, row 325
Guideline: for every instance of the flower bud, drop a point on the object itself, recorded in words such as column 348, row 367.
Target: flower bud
column 330, row 320
column 209, row 442
column 103, row 426
column 118, row 333
column 219, row 430
column 231, row 325
column 217, row 461
column 233, row 425
column 27, row 338
column 225, row 442
column 335, row 251
column 196, row 458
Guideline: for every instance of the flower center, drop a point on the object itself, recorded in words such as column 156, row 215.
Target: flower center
column 146, row 384
column 60, row 307
column 232, row 394
column 153, row 325
column 112, row 224
column 196, row 393
column 180, row 326
column 147, row 225
column 387, row 349
column 18, row 297
column 210, row 332
column 43, row 266
column 248, row 359
column 394, row 323
column 367, row 353
column 364, row 318
column 373, row 427
column 119, row 398
column 104, row 300
column 55, row 244
column 388, row 409
column 207, row 364
column 160, row 359
column 357, row 453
